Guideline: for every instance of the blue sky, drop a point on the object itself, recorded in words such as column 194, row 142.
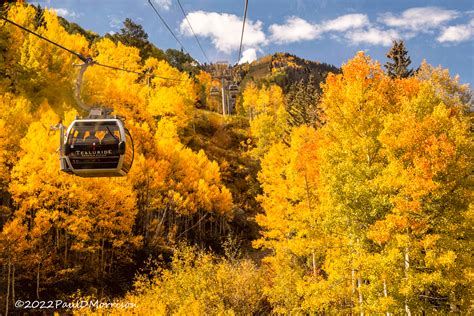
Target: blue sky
column 442, row 32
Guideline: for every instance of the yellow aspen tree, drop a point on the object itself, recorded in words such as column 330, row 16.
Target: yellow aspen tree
column 69, row 218
column 15, row 116
column 292, row 222
column 205, row 84
column 180, row 191
column 268, row 117
column 428, row 148
column 354, row 104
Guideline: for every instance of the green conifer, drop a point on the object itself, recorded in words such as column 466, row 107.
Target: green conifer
column 397, row 66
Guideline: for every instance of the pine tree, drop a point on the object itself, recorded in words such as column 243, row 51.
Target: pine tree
column 302, row 104
column 133, row 34
column 399, row 55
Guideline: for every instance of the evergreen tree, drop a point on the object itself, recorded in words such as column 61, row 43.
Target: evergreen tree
column 302, row 103
column 133, row 34
column 398, row 66
column 39, row 17
column 182, row 61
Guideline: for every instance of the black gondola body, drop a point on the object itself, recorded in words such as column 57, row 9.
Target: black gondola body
column 233, row 89
column 97, row 146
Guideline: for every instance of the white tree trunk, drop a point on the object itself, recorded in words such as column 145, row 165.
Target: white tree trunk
column 385, row 292
column 407, row 266
column 353, row 281
column 361, row 298
column 314, row 265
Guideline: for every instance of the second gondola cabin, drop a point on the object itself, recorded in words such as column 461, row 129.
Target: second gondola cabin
column 97, row 146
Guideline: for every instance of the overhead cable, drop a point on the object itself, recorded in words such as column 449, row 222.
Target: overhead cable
column 243, row 28
column 192, row 30
column 87, row 60
column 167, row 26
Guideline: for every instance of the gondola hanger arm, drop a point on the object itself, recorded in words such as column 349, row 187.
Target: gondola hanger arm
column 78, row 85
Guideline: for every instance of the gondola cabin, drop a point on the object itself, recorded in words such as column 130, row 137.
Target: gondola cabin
column 97, row 147
column 233, row 89
column 215, row 91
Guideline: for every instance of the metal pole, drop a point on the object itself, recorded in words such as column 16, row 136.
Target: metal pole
column 61, row 140
column 223, row 97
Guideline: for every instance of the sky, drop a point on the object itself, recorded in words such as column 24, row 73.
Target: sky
column 330, row 31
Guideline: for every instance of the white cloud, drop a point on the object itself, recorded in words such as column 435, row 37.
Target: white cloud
column 65, row 13
column 164, row 4
column 457, row 33
column 294, row 30
column 372, row 36
column 346, row 22
column 224, row 30
column 419, row 19
column 248, row 56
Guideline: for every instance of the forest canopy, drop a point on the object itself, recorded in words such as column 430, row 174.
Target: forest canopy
column 346, row 193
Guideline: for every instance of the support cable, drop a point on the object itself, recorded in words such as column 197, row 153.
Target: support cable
column 167, row 26
column 243, row 28
column 192, row 30
column 87, row 60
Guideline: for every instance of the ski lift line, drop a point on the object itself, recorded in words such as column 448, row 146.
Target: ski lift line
column 81, row 57
column 243, row 28
column 86, row 60
column 167, row 26
column 135, row 72
column 192, row 30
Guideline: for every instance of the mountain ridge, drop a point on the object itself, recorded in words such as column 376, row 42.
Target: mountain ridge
column 283, row 69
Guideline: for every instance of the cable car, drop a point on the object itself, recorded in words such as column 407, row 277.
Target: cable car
column 233, row 89
column 96, row 146
column 215, row 91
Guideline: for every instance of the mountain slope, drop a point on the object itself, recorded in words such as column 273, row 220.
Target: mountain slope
column 283, row 69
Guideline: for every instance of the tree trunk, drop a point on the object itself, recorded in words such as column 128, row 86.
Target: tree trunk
column 8, row 287
column 57, row 238
column 407, row 266
column 353, row 282
column 38, row 281
column 359, row 282
column 361, row 297
column 385, row 292
column 314, row 264
column 111, row 262
column 13, row 284
column 101, row 265
column 65, row 250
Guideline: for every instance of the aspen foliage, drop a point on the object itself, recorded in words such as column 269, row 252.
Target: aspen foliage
column 71, row 232
column 373, row 215
column 198, row 283
column 265, row 108
column 365, row 188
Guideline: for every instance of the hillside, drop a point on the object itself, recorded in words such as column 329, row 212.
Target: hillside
column 223, row 139
column 283, row 69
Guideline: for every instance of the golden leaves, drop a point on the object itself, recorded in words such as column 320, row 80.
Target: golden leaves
column 370, row 194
